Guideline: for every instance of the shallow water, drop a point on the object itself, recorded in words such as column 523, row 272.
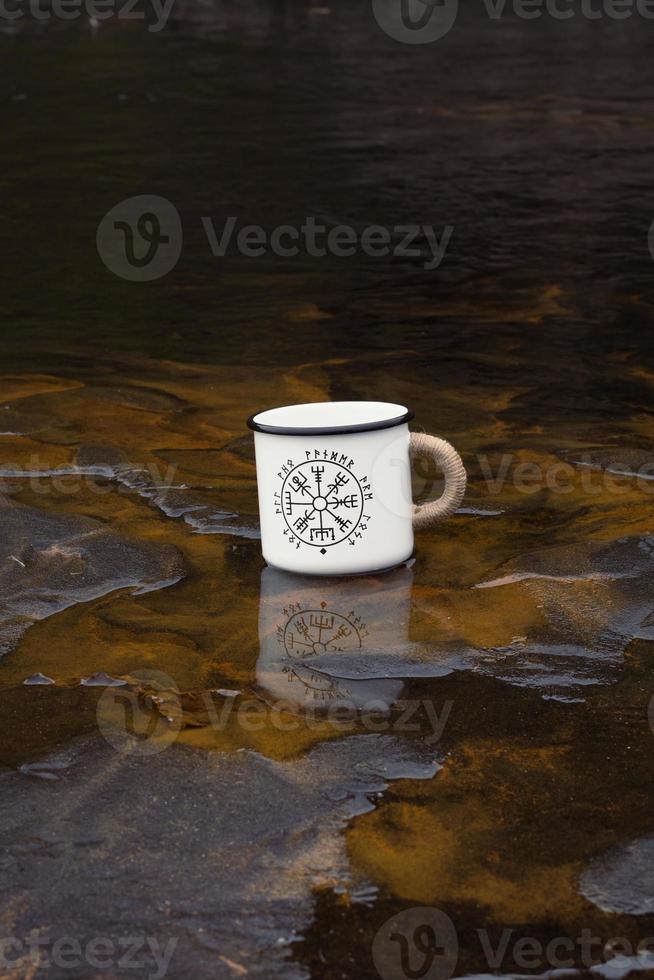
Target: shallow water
column 247, row 813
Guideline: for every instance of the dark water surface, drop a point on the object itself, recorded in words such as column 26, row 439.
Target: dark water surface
column 506, row 776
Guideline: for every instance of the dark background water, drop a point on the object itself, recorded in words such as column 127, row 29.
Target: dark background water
column 531, row 138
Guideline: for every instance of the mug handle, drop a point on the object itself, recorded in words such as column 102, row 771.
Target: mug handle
column 448, row 460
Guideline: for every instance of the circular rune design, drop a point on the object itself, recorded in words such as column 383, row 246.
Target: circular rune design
column 312, row 632
column 322, row 503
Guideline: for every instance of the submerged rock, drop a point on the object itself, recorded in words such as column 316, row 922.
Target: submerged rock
column 38, row 680
column 102, row 679
column 627, row 460
column 214, row 857
column 622, row 881
column 568, row 614
column 200, row 507
column 49, row 562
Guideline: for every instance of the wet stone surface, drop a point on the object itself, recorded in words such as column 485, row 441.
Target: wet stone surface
column 52, row 562
column 622, row 880
column 257, row 838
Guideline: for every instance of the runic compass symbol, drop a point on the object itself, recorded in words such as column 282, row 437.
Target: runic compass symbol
column 311, row 632
column 308, row 633
column 322, row 503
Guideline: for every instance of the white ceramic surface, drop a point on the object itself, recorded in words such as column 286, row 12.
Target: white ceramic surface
column 334, row 484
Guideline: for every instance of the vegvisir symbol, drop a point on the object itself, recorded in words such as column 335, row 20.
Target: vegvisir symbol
column 322, row 501
column 309, row 633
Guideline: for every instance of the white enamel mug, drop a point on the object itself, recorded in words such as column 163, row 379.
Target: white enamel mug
column 334, row 483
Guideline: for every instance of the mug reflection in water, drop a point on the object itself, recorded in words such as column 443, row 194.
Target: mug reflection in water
column 322, row 638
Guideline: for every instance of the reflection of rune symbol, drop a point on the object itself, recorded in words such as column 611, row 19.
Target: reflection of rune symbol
column 312, row 632
column 308, row 633
column 322, row 502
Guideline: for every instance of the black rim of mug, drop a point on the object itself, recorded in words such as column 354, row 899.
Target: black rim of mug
column 325, row 430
